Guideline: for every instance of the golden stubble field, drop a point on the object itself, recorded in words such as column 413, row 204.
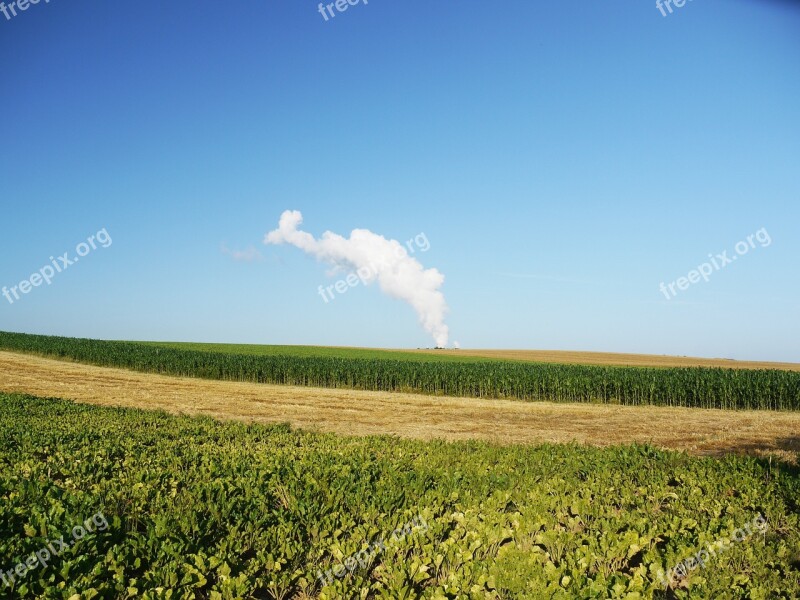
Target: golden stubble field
column 349, row 412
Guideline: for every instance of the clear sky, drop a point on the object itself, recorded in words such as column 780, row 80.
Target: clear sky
column 563, row 159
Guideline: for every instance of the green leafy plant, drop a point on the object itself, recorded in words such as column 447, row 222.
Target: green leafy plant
column 202, row 509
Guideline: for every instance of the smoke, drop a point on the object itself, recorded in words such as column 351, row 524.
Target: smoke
column 374, row 258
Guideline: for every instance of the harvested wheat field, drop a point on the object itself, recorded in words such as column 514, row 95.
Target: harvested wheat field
column 697, row 431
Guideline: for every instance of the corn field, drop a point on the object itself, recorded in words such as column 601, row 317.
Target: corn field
column 684, row 386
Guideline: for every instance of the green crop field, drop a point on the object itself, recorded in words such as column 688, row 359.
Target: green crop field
column 699, row 387
column 202, row 509
column 317, row 351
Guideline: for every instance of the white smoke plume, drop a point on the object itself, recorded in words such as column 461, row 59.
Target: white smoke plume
column 374, row 258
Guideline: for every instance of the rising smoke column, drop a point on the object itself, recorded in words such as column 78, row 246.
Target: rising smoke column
column 374, row 258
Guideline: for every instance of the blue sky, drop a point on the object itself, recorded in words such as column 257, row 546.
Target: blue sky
column 562, row 158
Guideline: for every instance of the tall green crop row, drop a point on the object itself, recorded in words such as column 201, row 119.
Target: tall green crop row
column 687, row 387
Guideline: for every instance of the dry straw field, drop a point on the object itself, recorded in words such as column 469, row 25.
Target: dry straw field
column 353, row 412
